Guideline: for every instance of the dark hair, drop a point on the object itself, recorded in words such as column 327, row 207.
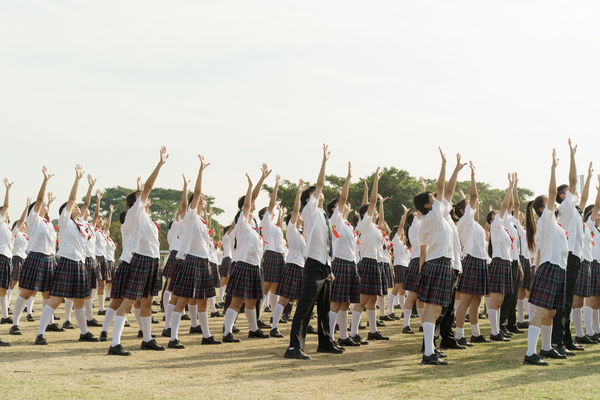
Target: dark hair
column 170, row 223
column 122, row 217
column 331, row 207
column 287, row 218
column 588, row 212
column 30, row 207
column 131, row 198
column 237, row 216
column 533, row 206
column 420, row 201
column 490, row 217
column 560, row 190
column 459, row 208
column 61, row 208
column 394, row 232
column 262, row 212
column 241, row 202
column 363, row 210
column 190, row 197
column 355, row 220
column 15, row 224
column 306, row 193
column 409, row 220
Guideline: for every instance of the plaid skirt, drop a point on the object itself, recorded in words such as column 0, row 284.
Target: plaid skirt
column 388, row 276
column 170, row 264
column 346, row 285
column 474, row 278
column 143, row 278
column 194, row 279
column 371, row 277
column 4, row 272
column 119, row 279
column 214, row 272
column 584, row 280
column 548, row 288
column 71, row 280
column 16, row 267
column 531, row 274
column 245, row 281
column 37, row 272
column 93, row 272
column 500, row 276
column 595, row 278
column 272, row 264
column 225, row 267
column 103, row 268
column 411, row 279
column 526, row 281
column 436, row 282
column 290, row 285
column 400, row 273
column 110, row 265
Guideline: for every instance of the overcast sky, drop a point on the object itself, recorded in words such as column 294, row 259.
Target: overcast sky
column 106, row 83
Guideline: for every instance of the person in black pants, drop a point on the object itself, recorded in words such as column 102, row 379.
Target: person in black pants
column 446, row 320
column 508, row 319
column 316, row 280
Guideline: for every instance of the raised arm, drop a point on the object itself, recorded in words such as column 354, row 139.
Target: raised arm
column 265, row 172
column 585, row 193
column 184, row 199
column 42, row 193
column 451, row 186
column 248, row 199
column 111, row 210
column 88, row 196
column 552, row 187
column 21, row 223
column 439, row 195
column 8, row 186
column 374, row 193
column 273, row 199
column 507, row 197
column 474, row 195
column 198, row 186
column 515, row 195
column 73, row 194
column 321, row 178
column 97, row 210
column 596, row 208
column 365, row 198
column 152, row 178
column 345, row 189
column 297, row 202
column 381, row 211
column 280, row 216
column 422, row 183
column 403, row 219
column 572, row 169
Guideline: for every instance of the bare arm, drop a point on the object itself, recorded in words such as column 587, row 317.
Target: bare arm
column 403, row 219
column 296, row 210
column 474, row 195
column 345, row 189
column 552, row 187
column 88, row 196
column 507, row 197
column 109, row 220
column 365, row 198
column 423, row 256
column 572, row 169
column 381, row 211
column 8, row 186
column 42, row 193
column 273, row 199
column 439, row 195
column 97, row 211
column 73, row 194
column 374, row 193
column 21, row 224
column 515, row 196
column 585, row 194
column 152, row 178
column 321, row 178
column 184, row 199
column 247, row 199
column 198, row 186
column 265, row 172
column 451, row 186
column 596, row 203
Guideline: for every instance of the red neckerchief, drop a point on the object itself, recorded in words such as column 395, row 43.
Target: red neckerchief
column 566, row 233
column 81, row 232
column 511, row 239
column 260, row 236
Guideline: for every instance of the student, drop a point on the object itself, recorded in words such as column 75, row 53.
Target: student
column 548, row 288
column 7, row 241
column 19, row 253
column 38, row 269
column 101, row 244
column 592, row 303
column 290, row 284
column 387, row 273
column 401, row 259
column 225, row 267
column 110, row 252
column 524, row 257
column 71, row 278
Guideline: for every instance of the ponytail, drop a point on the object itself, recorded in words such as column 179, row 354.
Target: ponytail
column 407, row 225
column 531, row 227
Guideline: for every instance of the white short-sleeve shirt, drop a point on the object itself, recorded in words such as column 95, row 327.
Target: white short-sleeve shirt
column 100, row 243
column 227, row 244
column 413, row 237
column 501, row 241
column 551, row 240
column 344, row 237
column 524, row 248
column 145, row 232
column 370, row 239
column 436, row 233
column 110, row 249
column 249, row 243
column 571, row 221
column 587, row 248
column 21, row 242
column 42, row 234
column 456, row 247
column 296, row 246
column 510, row 224
column 272, row 234
column 7, row 240
column 401, row 252
column 472, row 235
column 197, row 239
column 595, row 233
column 316, row 231
column 71, row 237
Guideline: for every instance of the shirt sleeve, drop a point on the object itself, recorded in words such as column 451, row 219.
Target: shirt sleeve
column 63, row 218
column 439, row 209
column 423, row 234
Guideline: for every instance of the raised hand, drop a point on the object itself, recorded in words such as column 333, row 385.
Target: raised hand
column 442, row 155
column 590, row 170
column 163, row 155
column 472, row 167
column 349, row 170
column 47, row 176
column 404, row 209
column 91, row 181
column 78, row 171
column 249, row 180
column 326, row 152
column 572, row 148
column 459, row 165
column 554, row 159
column 301, row 184
column 422, row 183
column 28, row 202
column 265, row 171
column 277, row 180
column 8, row 184
column 111, row 208
column 377, row 174
column 99, row 195
column 203, row 163
column 51, row 198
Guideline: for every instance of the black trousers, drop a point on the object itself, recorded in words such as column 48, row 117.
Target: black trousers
column 561, row 328
column 508, row 310
column 446, row 318
column 316, row 289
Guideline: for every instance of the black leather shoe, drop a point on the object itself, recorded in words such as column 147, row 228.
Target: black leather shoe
column 552, row 354
column 194, row 330
column 185, row 317
column 347, row 342
column 592, row 339
column 480, row 339
column 118, row 350
column 562, row 350
column 40, row 340
column 4, row 344
column 499, row 338
column 296, row 354
column 127, row 324
column 101, row 312
column 229, row 338
column 523, row 325
column 68, row 325
column 151, row 345
column 362, row 327
column 440, row 354
column 584, row 340
column 380, row 323
column 284, row 319
column 93, row 322
column 311, row 331
column 330, row 349
column 432, row 360
column 215, row 314
column 167, row 333
column 257, row 334
column 421, row 328
column 407, row 330
column 235, row 330
column 359, row 340
column 6, row 321
column 464, row 342
column 103, row 336
column 54, row 328
column 377, row 336
column 140, row 334
column 394, row 317
column 175, row 344
column 210, row 340
column 453, row 344
column 14, row 330
column 275, row 333
column 30, row 318
column 514, row 329
column 153, row 320
column 534, row 359
column 574, row 347
column 261, row 324
column 504, row 331
column 88, row 337
column 386, row 318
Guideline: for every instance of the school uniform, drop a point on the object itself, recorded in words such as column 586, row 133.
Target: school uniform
column 119, row 278
column 6, row 250
column 595, row 265
column 411, row 281
column 388, row 274
column 524, row 256
column 38, row 268
column 474, row 278
column 346, row 285
column 110, row 258
column 100, row 251
column 370, row 247
column 213, row 260
column 401, row 259
column 245, row 281
column 174, row 240
column 290, row 283
column 583, row 287
column 89, row 251
column 509, row 303
column 225, row 267
column 500, row 273
column 274, row 244
column 19, row 254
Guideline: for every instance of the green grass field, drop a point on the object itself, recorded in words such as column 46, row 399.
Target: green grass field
column 255, row 369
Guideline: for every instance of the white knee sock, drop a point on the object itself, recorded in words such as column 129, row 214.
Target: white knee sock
column 381, row 304
column 521, row 310
column 531, row 310
column 68, row 309
column 342, row 319
column 193, row 315
column 108, row 318
column 146, row 328
column 576, row 318
column 596, row 320
column 587, row 319
column 251, row 317
column 166, row 298
column 475, row 330
column 8, row 296
column 332, row 319
column 391, row 299
column 118, row 326
column 93, row 295
column 230, row 316
column 101, row 298
column 138, row 316
column 400, row 300
column 274, row 299
column 45, row 302
column 87, row 304
column 213, row 306
column 372, row 318
column 428, row 329
column 203, row 318
column 4, row 307
column 420, row 311
column 18, row 311
column 80, row 317
column 277, row 312
column 486, row 301
column 355, row 323
column 263, row 302
column 30, row 301
column 546, row 337
column 406, row 314
column 460, row 332
column 493, row 314
column 526, row 305
column 168, row 315
column 175, row 320
column 45, row 319
column 533, row 333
